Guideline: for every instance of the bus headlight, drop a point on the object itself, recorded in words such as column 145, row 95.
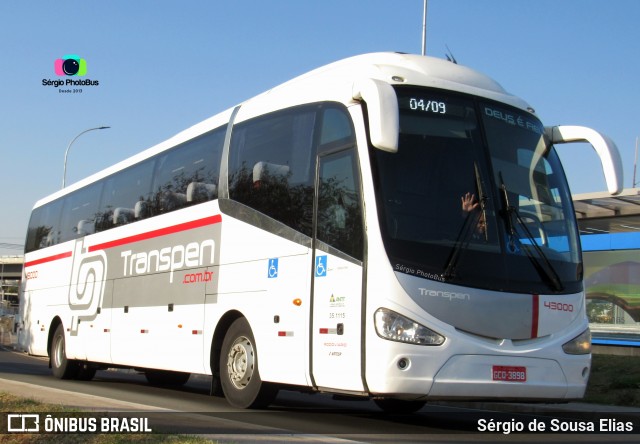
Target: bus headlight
column 395, row 327
column 580, row 345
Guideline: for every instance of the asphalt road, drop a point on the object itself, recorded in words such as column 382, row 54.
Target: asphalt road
column 294, row 417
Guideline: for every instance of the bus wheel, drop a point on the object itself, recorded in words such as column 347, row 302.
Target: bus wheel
column 393, row 405
column 239, row 373
column 62, row 367
column 165, row 377
column 86, row 372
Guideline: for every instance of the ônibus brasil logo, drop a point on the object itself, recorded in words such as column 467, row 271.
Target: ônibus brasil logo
column 70, row 66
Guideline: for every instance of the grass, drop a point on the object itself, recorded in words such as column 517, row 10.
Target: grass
column 615, row 380
column 14, row 404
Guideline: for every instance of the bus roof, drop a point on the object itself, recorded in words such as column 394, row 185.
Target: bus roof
column 335, row 81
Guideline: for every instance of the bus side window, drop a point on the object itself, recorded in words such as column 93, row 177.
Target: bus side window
column 336, row 126
column 271, row 166
column 339, row 204
column 188, row 174
column 123, row 194
column 79, row 212
column 44, row 226
column 36, row 231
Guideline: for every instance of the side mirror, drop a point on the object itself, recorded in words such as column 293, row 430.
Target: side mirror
column 382, row 108
column 605, row 147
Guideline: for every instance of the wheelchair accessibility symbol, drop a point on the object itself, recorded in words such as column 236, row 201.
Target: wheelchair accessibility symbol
column 321, row 266
column 273, row 268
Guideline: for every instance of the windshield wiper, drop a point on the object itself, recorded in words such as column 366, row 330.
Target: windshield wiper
column 470, row 224
column 482, row 199
column 541, row 263
column 506, row 214
column 462, row 240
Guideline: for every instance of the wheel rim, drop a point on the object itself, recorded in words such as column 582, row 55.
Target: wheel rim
column 58, row 351
column 240, row 362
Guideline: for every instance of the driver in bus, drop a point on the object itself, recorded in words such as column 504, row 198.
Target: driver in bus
column 470, row 204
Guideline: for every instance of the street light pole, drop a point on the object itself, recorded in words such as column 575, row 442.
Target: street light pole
column 66, row 153
column 424, row 29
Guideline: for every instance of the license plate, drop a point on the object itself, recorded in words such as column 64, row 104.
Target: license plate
column 509, row 373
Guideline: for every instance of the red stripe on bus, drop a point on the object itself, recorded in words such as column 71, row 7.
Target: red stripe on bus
column 535, row 315
column 44, row 260
column 158, row 233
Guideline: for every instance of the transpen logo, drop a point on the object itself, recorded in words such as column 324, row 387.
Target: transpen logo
column 70, row 65
column 86, row 288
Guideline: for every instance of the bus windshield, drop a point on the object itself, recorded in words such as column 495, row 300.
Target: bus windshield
column 474, row 196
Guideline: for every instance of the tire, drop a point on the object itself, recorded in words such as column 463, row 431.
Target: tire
column 393, row 405
column 165, row 377
column 86, row 371
column 61, row 367
column 239, row 373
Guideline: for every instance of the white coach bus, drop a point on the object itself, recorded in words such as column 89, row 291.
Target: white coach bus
column 390, row 226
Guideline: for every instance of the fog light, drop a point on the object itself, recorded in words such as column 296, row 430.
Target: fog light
column 403, row 363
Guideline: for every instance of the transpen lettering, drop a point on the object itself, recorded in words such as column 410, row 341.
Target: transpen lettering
column 169, row 259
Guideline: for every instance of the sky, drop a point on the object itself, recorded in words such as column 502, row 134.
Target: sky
column 162, row 66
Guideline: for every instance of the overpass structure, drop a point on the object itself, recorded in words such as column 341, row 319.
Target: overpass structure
column 10, row 277
column 610, row 235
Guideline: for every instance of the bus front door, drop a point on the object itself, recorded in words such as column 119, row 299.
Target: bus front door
column 337, row 292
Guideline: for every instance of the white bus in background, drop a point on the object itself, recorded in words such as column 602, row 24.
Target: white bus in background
column 389, row 226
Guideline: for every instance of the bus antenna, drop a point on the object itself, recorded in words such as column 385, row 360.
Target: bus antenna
column 449, row 55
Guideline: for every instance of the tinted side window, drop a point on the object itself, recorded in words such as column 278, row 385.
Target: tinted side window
column 36, row 231
column 126, row 196
column 44, row 226
column 339, row 203
column 188, row 174
column 271, row 166
column 336, row 126
column 190, row 170
column 79, row 212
